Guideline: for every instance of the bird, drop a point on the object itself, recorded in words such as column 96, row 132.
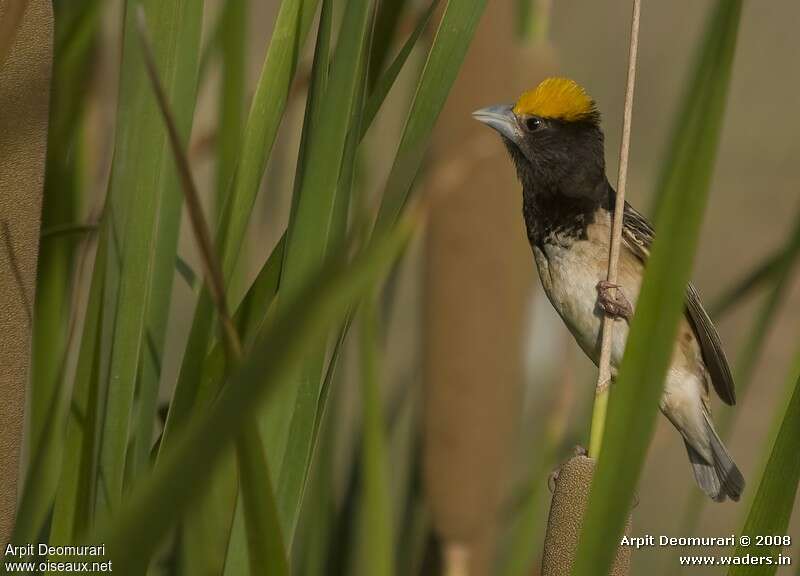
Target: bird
column 554, row 137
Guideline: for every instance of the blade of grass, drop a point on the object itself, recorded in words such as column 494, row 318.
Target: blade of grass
column 315, row 529
column 371, row 108
column 220, row 498
column 237, row 555
column 266, row 549
column 376, row 512
column 315, row 227
column 453, row 37
column 257, row 302
column 403, row 442
column 269, row 102
column 318, row 110
column 387, row 21
column 382, row 85
column 258, row 305
column 634, row 397
column 772, row 507
column 444, row 59
column 258, row 298
column 265, row 542
column 297, row 328
column 248, row 319
column 134, row 194
column 230, row 117
column 45, row 468
column 202, row 236
column 318, row 86
column 459, row 20
column 211, row 526
column 75, row 32
column 779, row 271
column 180, row 87
column 74, row 498
column 449, row 48
column 53, row 325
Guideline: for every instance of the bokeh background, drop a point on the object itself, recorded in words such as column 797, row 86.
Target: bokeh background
column 484, row 391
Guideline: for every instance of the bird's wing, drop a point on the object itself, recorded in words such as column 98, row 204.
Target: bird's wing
column 638, row 235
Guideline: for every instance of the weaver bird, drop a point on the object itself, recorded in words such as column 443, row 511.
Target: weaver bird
column 554, row 138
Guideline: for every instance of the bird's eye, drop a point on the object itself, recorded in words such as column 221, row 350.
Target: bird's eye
column 532, row 123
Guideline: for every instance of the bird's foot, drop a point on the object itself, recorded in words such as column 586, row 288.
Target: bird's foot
column 612, row 301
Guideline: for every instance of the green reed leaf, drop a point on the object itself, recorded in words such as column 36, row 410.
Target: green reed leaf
column 298, row 328
column 453, row 37
column 141, row 165
column 773, row 504
column 377, row 545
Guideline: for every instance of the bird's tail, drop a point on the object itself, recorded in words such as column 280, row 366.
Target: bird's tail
column 720, row 478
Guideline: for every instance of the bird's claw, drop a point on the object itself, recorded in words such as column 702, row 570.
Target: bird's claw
column 612, row 301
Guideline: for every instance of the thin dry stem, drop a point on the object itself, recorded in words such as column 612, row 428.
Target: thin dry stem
column 604, row 366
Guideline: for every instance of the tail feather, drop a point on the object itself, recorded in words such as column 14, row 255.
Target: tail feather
column 705, row 475
column 731, row 479
column 720, row 478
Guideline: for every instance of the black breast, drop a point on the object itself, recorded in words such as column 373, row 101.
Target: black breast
column 557, row 219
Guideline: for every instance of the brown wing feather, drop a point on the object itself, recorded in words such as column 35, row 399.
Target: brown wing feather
column 638, row 234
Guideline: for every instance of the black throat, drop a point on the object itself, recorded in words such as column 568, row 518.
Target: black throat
column 552, row 218
column 558, row 210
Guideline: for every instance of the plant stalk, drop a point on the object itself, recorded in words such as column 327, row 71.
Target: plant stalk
column 604, row 365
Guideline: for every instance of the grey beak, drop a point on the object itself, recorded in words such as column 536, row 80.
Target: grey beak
column 500, row 117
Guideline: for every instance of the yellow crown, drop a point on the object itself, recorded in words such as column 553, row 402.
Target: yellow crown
column 559, row 98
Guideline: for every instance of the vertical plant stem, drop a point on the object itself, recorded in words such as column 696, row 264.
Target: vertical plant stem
column 604, row 372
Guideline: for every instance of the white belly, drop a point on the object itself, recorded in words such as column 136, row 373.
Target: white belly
column 570, row 277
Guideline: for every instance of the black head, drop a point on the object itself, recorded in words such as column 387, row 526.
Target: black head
column 553, row 135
